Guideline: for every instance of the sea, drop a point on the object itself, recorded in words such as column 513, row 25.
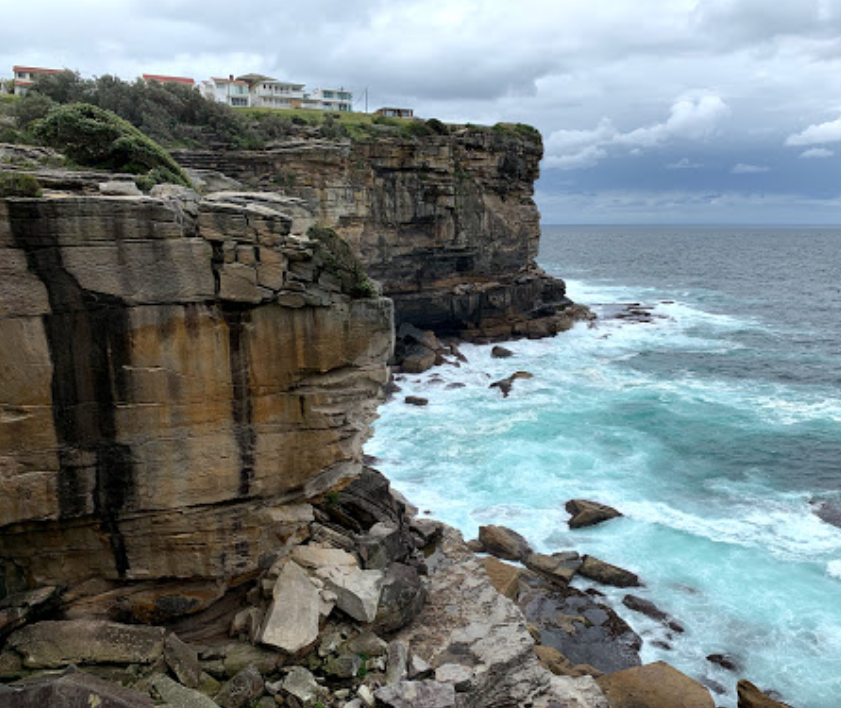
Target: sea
column 704, row 404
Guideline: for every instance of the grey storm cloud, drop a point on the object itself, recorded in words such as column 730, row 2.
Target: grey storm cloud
column 605, row 82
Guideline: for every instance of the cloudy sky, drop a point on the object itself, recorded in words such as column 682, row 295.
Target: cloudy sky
column 651, row 110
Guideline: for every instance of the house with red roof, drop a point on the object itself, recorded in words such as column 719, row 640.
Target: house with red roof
column 186, row 81
column 26, row 76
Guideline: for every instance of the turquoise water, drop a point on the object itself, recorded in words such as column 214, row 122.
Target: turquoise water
column 712, row 428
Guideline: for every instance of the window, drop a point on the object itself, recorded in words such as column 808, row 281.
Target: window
column 239, row 101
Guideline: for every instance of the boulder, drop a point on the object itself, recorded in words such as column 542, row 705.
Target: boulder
column 366, row 501
column 656, row 685
column 74, row 689
column 504, row 577
column 504, row 543
column 50, row 645
column 292, row 620
column 417, row 694
column 402, row 597
column 244, row 688
column 178, row 696
column 239, row 656
column 397, row 662
column 649, row 609
column 183, row 660
column 385, row 543
column 416, row 401
column 357, row 591
column 559, row 567
column 607, row 574
column 751, row 697
column 302, row 686
column 20, row 608
column 344, row 665
column 417, row 359
column 368, row 644
column 588, row 513
column 500, row 352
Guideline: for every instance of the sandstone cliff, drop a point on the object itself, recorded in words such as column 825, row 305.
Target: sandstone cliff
column 446, row 223
column 172, row 371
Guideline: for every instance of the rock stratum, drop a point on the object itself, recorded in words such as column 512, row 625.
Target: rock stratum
column 446, row 223
column 173, row 370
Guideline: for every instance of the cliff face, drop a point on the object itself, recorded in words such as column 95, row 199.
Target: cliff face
column 446, row 223
column 172, row 371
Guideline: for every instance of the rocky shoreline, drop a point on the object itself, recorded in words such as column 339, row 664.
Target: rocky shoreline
column 368, row 604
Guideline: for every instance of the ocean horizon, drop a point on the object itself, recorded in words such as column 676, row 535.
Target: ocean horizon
column 704, row 405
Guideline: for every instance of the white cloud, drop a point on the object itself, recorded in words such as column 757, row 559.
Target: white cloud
column 816, row 153
column 743, row 169
column 829, row 132
column 689, row 119
column 693, row 119
column 684, row 164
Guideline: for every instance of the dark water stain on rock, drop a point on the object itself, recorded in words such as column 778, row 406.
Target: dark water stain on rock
column 237, row 319
column 88, row 338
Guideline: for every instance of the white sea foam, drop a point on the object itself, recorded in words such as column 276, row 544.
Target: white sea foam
column 596, row 422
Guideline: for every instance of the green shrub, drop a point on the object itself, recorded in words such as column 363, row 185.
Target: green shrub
column 438, row 127
column 19, row 184
column 339, row 259
column 518, row 130
column 417, row 129
column 94, row 137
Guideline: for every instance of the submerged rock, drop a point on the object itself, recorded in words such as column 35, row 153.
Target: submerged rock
column 608, row 574
column 588, row 513
column 649, row 609
column 500, row 352
column 726, row 662
column 506, row 384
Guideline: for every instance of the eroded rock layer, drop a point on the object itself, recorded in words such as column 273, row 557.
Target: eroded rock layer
column 172, row 371
column 446, row 223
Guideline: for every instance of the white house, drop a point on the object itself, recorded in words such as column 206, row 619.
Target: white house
column 330, row 99
column 232, row 91
column 25, row 76
column 271, row 93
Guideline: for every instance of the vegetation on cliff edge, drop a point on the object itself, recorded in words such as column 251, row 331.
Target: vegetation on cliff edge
column 94, row 137
column 177, row 116
column 339, row 259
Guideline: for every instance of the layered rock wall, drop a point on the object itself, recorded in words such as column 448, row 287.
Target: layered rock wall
column 446, row 223
column 171, row 373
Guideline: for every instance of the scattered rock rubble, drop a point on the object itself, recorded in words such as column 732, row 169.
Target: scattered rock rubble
column 370, row 606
